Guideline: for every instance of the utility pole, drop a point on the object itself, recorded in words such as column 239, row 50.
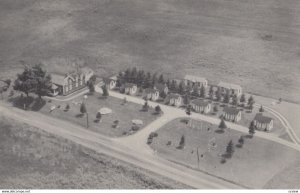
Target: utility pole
column 87, row 120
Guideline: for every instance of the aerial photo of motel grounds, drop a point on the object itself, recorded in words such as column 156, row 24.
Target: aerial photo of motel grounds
column 137, row 119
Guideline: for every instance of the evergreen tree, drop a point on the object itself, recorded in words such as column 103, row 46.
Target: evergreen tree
column 261, row 109
column 216, row 108
column 148, row 80
column 241, row 141
column 105, row 91
column 219, row 95
column 243, row 98
column 168, row 83
column 182, row 142
column 133, row 75
column 181, row 88
column 173, row 86
column 234, row 100
column 230, row 149
column 250, row 100
column 161, row 79
column 127, row 75
column 186, row 99
column 222, row 124
column 211, row 92
column 196, row 91
column 146, row 106
column 202, row 92
column 226, row 97
column 154, row 80
column 252, row 128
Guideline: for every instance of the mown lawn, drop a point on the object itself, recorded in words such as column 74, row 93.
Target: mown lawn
column 253, row 165
column 124, row 113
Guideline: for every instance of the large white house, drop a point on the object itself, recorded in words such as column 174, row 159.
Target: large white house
column 233, row 89
column 70, row 82
column 195, row 81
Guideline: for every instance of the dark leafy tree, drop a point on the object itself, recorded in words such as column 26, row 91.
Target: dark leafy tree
column 252, row 128
column 211, row 92
column 140, row 78
column 148, row 80
column 34, row 80
column 168, row 83
column 133, row 75
column 250, row 107
column 91, row 88
column 173, row 85
column 127, row 75
column 158, row 109
column 154, row 80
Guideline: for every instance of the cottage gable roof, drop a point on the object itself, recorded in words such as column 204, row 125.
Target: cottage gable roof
column 57, row 79
column 174, row 96
column 195, row 78
column 200, row 102
column 129, row 85
column 160, row 87
column 262, row 119
column 231, row 110
column 229, row 85
column 150, row 91
column 86, row 70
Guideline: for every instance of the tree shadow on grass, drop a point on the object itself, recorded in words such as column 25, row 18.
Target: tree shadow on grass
column 219, row 131
column 30, row 103
column 80, row 115
column 249, row 136
column 38, row 104
column 239, row 145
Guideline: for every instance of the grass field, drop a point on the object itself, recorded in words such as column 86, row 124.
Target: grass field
column 253, row 165
column 253, row 43
column 33, row 159
column 124, row 113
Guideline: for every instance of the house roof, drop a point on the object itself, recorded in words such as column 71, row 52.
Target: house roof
column 150, row 90
column 262, row 119
column 174, row 96
column 86, row 70
column 160, row 87
column 229, row 85
column 231, row 110
column 200, row 102
column 129, row 85
column 57, row 79
column 195, row 78
column 107, row 80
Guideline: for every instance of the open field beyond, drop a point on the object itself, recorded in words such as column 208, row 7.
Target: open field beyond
column 252, row 43
column 252, row 165
column 31, row 158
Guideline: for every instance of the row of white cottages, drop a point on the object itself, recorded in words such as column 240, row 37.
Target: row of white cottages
column 198, row 105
